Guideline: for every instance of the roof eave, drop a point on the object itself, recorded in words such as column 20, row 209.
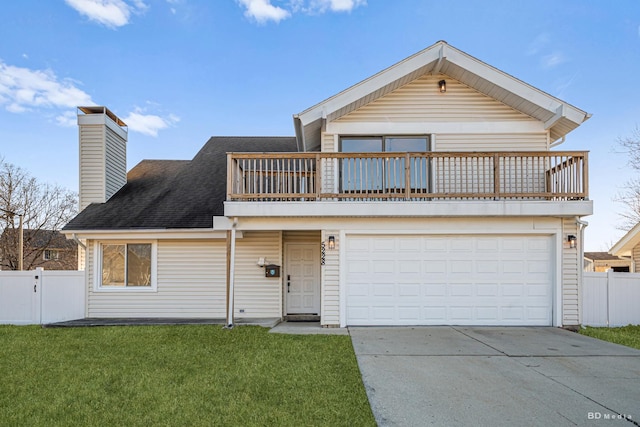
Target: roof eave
column 625, row 245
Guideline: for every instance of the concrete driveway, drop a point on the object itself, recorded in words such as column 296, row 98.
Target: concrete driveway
column 493, row 376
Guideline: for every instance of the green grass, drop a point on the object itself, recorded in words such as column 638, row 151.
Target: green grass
column 178, row 376
column 626, row 335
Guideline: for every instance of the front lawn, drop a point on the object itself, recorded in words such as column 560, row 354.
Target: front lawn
column 626, row 335
column 178, row 376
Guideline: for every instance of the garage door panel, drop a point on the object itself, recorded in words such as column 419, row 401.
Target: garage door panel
column 434, row 290
column 487, row 289
column 408, row 313
column 465, row 280
column 460, row 266
column 383, row 290
column 409, row 290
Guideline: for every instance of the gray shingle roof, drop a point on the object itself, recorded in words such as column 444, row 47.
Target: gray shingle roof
column 601, row 256
column 175, row 194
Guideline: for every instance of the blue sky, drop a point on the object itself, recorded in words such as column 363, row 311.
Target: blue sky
column 180, row 71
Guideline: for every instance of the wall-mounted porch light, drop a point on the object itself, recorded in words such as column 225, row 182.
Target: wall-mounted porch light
column 442, row 85
column 332, row 243
column 572, row 241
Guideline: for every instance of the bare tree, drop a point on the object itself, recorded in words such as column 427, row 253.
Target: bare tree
column 46, row 208
column 629, row 194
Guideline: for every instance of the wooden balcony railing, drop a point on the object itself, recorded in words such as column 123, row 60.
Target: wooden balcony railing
column 549, row 175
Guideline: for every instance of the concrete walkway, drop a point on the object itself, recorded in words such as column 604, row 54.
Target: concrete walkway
column 306, row 328
column 492, row 376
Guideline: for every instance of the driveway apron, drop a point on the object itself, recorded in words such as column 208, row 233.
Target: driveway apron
column 496, row 376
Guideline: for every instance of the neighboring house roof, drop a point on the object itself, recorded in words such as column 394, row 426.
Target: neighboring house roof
column 601, row 256
column 41, row 238
column 175, row 194
column 625, row 245
column 559, row 117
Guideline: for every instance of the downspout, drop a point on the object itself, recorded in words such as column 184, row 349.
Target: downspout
column 558, row 142
column 582, row 224
column 75, row 237
column 232, row 268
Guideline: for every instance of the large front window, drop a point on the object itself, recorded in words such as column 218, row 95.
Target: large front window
column 383, row 174
column 126, row 265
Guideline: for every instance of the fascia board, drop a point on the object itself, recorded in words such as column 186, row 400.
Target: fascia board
column 625, row 245
column 515, row 86
column 146, row 234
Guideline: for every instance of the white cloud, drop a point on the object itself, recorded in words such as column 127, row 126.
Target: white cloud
column 173, row 3
column 23, row 89
column 110, row 13
column 538, row 43
column 149, row 124
column 336, row 5
column 67, row 119
column 263, row 11
column 553, row 59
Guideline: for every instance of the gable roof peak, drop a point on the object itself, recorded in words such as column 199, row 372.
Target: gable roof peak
column 442, row 58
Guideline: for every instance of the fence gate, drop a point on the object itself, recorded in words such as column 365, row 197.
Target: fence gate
column 20, row 297
column 39, row 296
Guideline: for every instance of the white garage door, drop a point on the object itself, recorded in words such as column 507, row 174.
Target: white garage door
column 449, row 280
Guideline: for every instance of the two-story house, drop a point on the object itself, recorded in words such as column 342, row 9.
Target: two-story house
column 428, row 194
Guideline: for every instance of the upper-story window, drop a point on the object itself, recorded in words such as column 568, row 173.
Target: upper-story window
column 379, row 144
column 51, row 254
column 382, row 174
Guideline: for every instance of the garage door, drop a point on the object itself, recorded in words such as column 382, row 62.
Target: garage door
column 449, row 280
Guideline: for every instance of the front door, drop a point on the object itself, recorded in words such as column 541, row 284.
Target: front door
column 302, row 280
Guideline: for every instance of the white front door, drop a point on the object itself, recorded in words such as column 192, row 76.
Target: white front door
column 302, row 278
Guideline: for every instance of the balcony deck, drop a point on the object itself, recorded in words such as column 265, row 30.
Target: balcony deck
column 418, row 177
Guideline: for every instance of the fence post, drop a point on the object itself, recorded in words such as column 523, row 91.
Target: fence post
column 609, row 280
column 36, row 314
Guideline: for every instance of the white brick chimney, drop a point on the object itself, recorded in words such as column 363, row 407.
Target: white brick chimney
column 103, row 154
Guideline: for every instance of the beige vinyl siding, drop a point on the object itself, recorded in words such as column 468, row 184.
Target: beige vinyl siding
column 329, row 143
column 329, row 166
column 420, row 100
column 191, row 283
column 257, row 295
column 115, row 163
column 330, row 282
column 91, row 164
column 635, row 256
column 491, row 142
column 571, row 266
column 89, row 274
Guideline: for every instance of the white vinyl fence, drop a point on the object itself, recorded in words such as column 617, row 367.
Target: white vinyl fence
column 611, row 299
column 41, row 296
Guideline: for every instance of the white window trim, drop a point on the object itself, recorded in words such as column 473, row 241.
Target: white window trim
column 97, row 270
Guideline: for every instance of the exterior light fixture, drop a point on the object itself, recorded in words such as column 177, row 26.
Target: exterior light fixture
column 332, row 242
column 442, row 85
column 572, row 241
